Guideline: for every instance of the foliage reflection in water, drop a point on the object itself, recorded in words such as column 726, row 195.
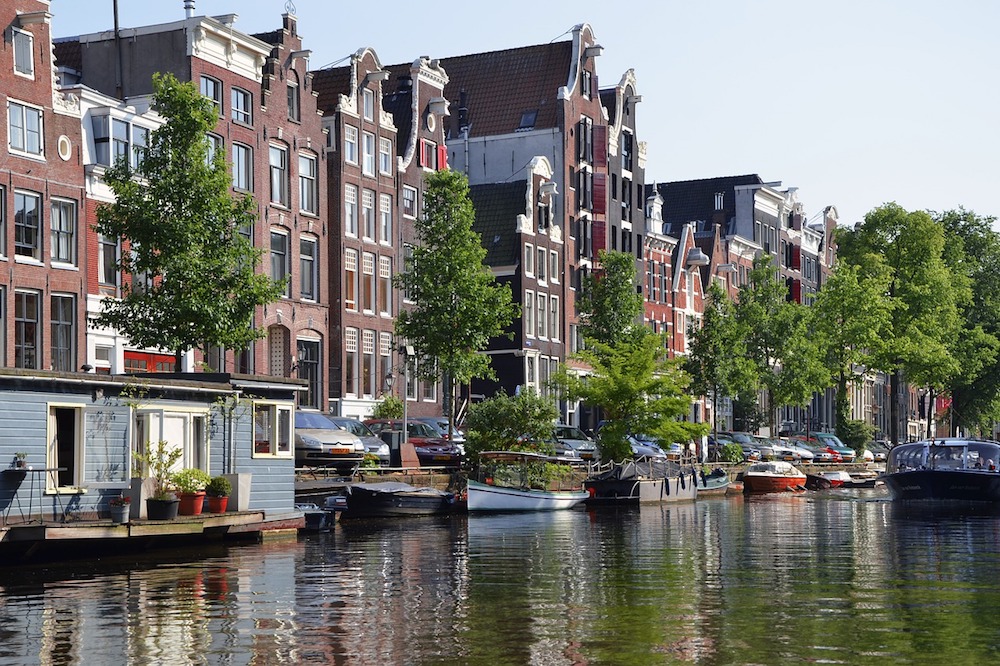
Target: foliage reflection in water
column 838, row 577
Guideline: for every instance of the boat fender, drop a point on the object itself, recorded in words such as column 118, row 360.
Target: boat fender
column 682, row 486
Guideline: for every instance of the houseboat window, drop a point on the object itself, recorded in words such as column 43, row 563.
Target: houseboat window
column 64, row 447
column 272, row 430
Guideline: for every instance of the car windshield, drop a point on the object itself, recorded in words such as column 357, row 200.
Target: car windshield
column 741, row 438
column 356, row 427
column 569, row 432
column 314, row 421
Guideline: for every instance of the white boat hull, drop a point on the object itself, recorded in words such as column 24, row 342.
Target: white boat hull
column 484, row 497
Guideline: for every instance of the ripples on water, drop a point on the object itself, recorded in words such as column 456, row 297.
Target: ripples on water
column 836, row 577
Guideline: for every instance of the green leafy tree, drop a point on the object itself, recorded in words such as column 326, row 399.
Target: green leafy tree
column 194, row 279
column 522, row 422
column 458, row 305
column 716, row 359
column 923, row 290
column 639, row 389
column 972, row 251
column 850, row 318
column 786, row 362
column 608, row 304
column 389, row 407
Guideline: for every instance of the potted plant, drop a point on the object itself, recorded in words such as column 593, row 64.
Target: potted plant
column 157, row 463
column 20, row 459
column 190, row 483
column 218, row 490
column 120, row 506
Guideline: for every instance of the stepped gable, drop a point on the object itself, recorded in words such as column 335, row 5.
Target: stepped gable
column 497, row 207
column 501, row 86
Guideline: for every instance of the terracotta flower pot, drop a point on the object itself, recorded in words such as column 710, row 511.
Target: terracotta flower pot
column 217, row 504
column 191, row 503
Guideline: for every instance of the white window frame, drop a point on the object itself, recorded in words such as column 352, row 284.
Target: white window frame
column 352, row 374
column 554, row 317
column 385, row 156
column 383, row 297
column 351, row 210
column 385, row 219
column 211, row 89
column 407, row 198
column 554, row 266
column 308, row 268
column 351, row 280
column 62, row 244
column 241, row 105
column 24, row 52
column 285, row 259
column 278, row 429
column 71, row 332
column 541, row 316
column 308, row 184
column 368, row 103
column 36, row 245
column 277, row 160
column 368, row 154
column 350, row 144
column 368, row 287
column 368, row 214
column 242, row 166
column 529, row 259
column 19, row 111
column 529, row 313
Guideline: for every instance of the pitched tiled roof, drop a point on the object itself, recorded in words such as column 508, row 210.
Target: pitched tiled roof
column 497, row 207
column 609, row 99
column 691, row 200
column 273, row 37
column 68, row 53
column 502, row 85
column 329, row 84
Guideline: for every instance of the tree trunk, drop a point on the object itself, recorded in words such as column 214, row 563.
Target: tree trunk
column 894, row 407
column 842, row 403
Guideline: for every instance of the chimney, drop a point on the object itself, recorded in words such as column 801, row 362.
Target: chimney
column 188, row 8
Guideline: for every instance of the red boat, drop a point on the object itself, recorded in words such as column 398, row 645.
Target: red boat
column 772, row 477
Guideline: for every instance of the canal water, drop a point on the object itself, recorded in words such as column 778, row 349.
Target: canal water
column 839, row 577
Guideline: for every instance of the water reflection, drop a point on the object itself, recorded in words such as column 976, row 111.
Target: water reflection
column 834, row 577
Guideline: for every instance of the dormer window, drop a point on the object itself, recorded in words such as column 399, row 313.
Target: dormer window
column 527, row 121
column 368, row 96
column 586, row 83
column 719, row 198
column 24, row 62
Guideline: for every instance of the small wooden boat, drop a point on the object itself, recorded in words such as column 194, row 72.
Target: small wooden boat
column 944, row 469
column 394, row 498
column 515, row 481
column 639, row 482
column 773, row 476
column 715, row 483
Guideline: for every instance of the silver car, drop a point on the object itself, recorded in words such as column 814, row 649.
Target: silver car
column 319, row 442
column 574, row 438
column 373, row 443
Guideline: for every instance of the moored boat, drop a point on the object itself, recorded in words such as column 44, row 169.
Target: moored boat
column 393, row 498
column 515, row 481
column 944, row 469
column 715, row 483
column 641, row 481
column 773, row 476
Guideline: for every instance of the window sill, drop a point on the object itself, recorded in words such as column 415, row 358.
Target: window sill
column 63, row 266
column 28, row 156
column 27, row 261
column 66, row 490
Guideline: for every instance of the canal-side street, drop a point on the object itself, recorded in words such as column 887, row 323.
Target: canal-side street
column 832, row 576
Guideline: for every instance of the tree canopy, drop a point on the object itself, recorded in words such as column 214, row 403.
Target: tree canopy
column 609, row 305
column 193, row 274
column 458, row 306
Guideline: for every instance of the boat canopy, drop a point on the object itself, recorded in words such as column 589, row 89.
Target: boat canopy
column 944, row 454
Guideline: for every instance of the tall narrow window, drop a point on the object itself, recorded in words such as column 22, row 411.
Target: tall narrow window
column 240, row 106
column 63, row 245
column 212, row 89
column 3, row 224
column 528, row 312
column 215, row 146
column 24, row 128
column 26, row 316
column 63, row 333
column 119, row 141
column 24, row 61
column 350, row 144
column 65, row 439
column 294, row 107
column 368, row 101
column 384, row 285
column 385, row 219
column 351, row 280
column 280, row 267
column 368, row 383
column 309, row 366
column 540, row 321
column 242, row 167
column 351, row 210
column 351, row 364
column 385, row 156
column 307, row 268
column 409, row 201
column 107, row 274
column 368, row 214
column 140, row 144
column 368, row 154
column 554, row 317
column 308, row 191
column 279, row 175
column 368, row 282
column 27, row 218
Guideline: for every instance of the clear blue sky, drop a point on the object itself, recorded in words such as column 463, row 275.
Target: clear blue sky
column 854, row 102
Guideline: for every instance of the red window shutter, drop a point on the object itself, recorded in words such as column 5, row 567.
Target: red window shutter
column 600, row 237
column 797, row 291
column 423, row 150
column 600, row 203
column 442, row 157
column 601, row 147
column 796, row 257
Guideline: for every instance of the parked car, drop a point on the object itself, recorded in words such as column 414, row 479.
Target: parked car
column 646, row 446
column 833, row 442
column 574, row 438
column 373, row 443
column 746, row 442
column 773, row 449
column 879, row 450
column 319, row 442
column 715, row 445
column 440, row 424
column 820, row 453
column 431, row 450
